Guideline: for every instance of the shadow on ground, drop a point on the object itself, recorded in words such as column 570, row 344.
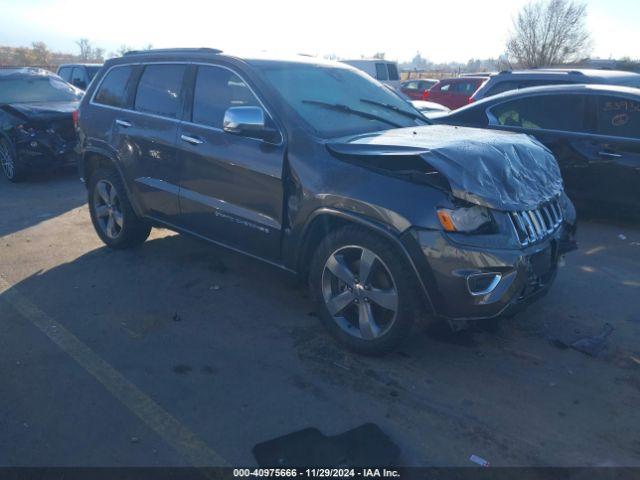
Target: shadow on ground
column 40, row 197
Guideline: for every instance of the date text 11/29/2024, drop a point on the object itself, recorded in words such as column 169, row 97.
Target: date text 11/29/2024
column 316, row 473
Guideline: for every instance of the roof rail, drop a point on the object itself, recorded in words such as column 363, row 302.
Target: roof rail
column 174, row 50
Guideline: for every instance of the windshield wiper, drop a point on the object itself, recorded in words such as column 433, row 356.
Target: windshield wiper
column 396, row 109
column 340, row 107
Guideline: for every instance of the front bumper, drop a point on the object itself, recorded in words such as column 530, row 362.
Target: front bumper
column 471, row 283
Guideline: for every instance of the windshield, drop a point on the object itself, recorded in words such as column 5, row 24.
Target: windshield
column 36, row 89
column 311, row 89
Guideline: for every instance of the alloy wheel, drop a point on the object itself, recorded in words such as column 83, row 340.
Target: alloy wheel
column 107, row 209
column 359, row 292
column 6, row 160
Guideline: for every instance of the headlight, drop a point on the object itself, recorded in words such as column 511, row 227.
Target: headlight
column 465, row 219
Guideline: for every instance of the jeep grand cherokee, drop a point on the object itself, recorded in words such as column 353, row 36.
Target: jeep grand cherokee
column 316, row 168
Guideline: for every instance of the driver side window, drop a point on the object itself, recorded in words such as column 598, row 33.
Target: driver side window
column 216, row 90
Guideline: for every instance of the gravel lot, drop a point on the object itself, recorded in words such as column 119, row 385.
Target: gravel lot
column 181, row 353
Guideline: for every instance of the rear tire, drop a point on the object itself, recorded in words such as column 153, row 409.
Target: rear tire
column 370, row 315
column 112, row 215
column 11, row 167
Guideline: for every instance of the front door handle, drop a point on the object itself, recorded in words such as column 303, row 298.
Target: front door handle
column 192, row 140
column 610, row 155
column 123, row 123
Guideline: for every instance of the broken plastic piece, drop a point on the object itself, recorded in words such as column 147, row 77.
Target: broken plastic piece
column 479, row 460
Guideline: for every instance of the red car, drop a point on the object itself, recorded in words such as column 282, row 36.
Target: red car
column 416, row 89
column 454, row 92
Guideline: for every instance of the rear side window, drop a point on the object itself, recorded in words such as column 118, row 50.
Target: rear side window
column 65, row 73
column 216, row 90
column 79, row 78
column 549, row 112
column 159, row 90
column 393, row 71
column 411, row 85
column 381, row 71
column 445, row 87
column 618, row 117
column 516, row 85
column 466, row 88
column 113, row 89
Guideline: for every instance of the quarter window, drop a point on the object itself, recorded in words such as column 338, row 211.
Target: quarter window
column 159, row 90
column 549, row 112
column 618, row 116
column 393, row 71
column 216, row 90
column 113, row 89
column 381, row 71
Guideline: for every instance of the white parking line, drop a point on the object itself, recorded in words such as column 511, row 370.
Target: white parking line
column 185, row 442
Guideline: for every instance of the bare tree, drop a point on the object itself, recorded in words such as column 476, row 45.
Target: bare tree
column 548, row 33
column 85, row 49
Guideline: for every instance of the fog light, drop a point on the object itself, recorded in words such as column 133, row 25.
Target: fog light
column 483, row 283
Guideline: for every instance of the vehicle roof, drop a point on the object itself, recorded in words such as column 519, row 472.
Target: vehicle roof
column 564, row 72
column 572, row 88
column 80, row 65
column 203, row 54
column 463, row 78
column 25, row 72
column 372, row 60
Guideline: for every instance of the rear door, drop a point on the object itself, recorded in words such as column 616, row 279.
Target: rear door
column 231, row 185
column 442, row 93
column 614, row 160
column 148, row 134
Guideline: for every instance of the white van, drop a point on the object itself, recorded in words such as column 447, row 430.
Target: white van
column 383, row 70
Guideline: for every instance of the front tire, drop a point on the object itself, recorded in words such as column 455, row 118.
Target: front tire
column 11, row 167
column 112, row 215
column 365, row 291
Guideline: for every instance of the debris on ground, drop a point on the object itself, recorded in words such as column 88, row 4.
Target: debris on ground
column 594, row 345
column 135, row 440
column 622, row 236
column 589, row 345
column 176, row 317
column 214, row 287
column 364, row 445
column 339, row 365
column 479, row 461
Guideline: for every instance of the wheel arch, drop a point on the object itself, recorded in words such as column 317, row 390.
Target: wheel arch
column 93, row 159
column 325, row 220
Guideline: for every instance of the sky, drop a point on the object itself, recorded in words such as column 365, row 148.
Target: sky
column 442, row 31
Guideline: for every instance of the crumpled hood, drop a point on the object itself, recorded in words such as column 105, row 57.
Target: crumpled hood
column 500, row 170
column 41, row 111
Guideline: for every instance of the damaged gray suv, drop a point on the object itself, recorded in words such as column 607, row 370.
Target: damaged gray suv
column 316, row 168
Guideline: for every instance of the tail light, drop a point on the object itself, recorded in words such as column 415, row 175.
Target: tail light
column 425, row 95
column 75, row 115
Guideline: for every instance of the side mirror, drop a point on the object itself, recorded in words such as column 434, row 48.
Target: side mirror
column 248, row 122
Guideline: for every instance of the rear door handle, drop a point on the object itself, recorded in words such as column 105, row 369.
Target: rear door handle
column 123, row 123
column 192, row 140
column 610, row 155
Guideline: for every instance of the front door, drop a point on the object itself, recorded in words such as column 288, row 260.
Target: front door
column 231, row 186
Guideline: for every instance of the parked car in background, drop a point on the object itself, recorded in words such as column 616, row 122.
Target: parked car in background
column 316, row 168
column 454, row 92
column 79, row 74
column 517, row 79
column 429, row 108
column 415, row 89
column 384, row 71
column 36, row 121
column 593, row 130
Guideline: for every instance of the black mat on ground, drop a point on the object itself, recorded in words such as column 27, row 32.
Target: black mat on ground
column 365, row 445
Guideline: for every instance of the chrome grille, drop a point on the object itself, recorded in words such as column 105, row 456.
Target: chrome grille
column 531, row 226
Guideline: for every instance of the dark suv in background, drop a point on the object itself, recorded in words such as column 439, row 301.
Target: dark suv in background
column 316, row 168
